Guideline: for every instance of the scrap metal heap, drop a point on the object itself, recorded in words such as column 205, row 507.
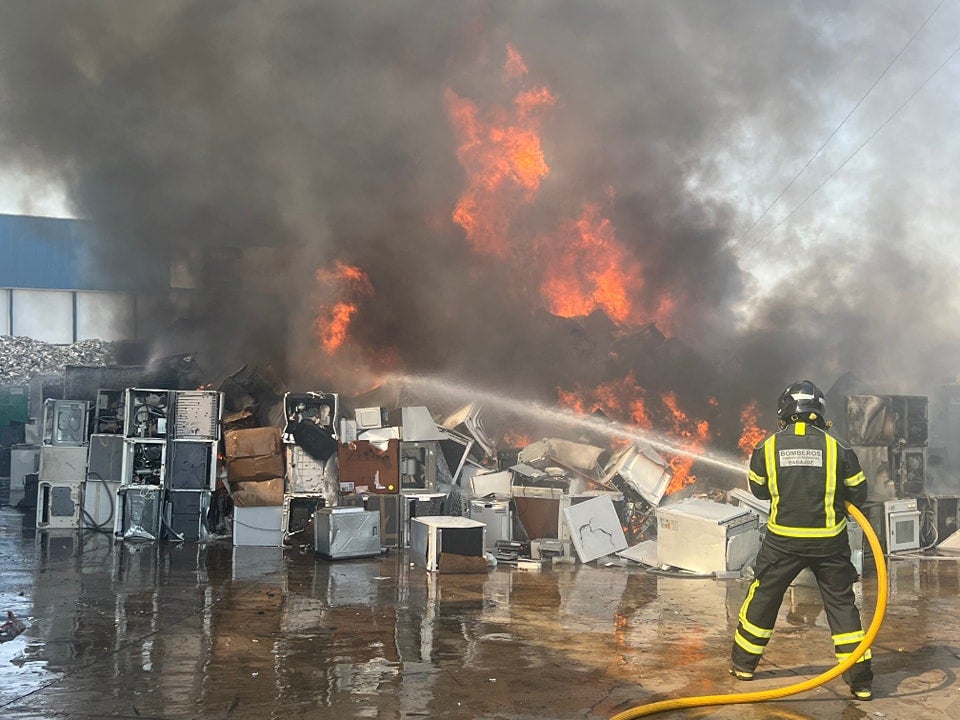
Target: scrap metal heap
column 253, row 461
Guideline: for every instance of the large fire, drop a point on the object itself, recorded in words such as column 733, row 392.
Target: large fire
column 580, row 265
column 583, row 266
column 349, row 284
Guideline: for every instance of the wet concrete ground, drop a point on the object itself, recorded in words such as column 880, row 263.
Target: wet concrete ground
column 167, row 631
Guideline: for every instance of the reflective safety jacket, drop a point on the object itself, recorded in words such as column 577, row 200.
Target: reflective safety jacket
column 806, row 474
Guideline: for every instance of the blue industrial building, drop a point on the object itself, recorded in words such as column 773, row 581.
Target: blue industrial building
column 51, row 288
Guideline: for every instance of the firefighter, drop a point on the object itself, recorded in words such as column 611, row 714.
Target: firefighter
column 807, row 475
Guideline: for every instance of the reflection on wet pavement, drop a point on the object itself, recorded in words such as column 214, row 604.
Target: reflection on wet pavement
column 168, row 631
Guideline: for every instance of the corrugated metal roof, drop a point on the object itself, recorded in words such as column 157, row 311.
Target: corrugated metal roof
column 53, row 253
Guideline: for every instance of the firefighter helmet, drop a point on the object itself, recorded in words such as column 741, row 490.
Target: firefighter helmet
column 802, row 402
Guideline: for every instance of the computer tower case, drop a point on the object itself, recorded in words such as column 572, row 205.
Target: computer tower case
column 197, row 414
column 64, row 422
column 146, row 413
column 191, row 465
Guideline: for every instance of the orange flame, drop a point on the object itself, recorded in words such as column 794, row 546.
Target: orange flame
column 694, row 435
column 627, row 397
column 514, row 67
column 618, row 399
column 332, row 322
column 516, row 440
column 501, row 153
column 752, row 434
column 584, row 266
column 590, row 269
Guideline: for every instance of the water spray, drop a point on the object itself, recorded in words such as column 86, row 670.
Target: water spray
column 532, row 409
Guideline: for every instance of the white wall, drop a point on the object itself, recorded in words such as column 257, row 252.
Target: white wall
column 48, row 315
column 105, row 316
column 43, row 315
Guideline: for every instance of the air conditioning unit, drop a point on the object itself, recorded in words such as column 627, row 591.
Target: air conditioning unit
column 146, row 413
column 144, row 462
column 197, row 414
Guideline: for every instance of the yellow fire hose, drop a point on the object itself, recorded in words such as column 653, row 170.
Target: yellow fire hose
column 776, row 693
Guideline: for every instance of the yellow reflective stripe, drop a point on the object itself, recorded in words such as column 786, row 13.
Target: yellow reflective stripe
column 747, row 625
column 847, row 638
column 843, row 656
column 757, row 479
column 753, row 629
column 855, row 480
column 746, row 601
column 802, row 532
column 770, row 458
column 831, row 493
column 747, row 645
column 800, row 429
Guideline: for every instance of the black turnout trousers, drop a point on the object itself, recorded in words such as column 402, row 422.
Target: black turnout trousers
column 776, row 568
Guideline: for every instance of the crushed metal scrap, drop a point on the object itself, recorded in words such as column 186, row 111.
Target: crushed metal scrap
column 23, row 358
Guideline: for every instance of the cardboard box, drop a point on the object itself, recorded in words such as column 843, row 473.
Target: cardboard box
column 264, row 467
column 252, row 442
column 257, row 493
column 370, row 469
